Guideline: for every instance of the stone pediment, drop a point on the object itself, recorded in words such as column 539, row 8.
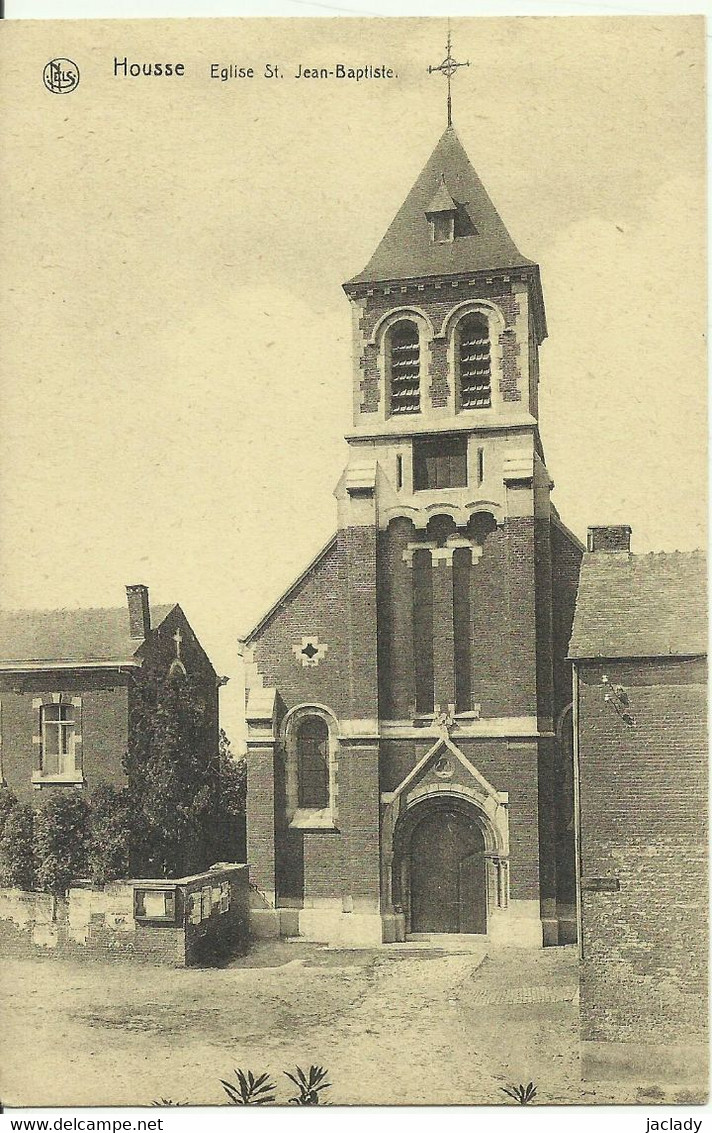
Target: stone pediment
column 445, row 766
column 444, row 771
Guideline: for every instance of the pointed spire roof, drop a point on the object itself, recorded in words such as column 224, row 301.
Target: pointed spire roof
column 407, row 251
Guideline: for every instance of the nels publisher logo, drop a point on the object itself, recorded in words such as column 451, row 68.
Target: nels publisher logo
column 61, row 76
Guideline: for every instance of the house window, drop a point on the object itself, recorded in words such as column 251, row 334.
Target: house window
column 404, row 367
column 313, row 763
column 57, row 724
column 440, row 463
column 474, row 362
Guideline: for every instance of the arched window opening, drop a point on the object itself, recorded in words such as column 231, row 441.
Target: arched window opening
column 313, row 763
column 480, row 525
column 404, row 367
column 474, row 359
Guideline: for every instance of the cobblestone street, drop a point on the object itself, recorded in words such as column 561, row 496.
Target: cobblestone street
column 392, row 1027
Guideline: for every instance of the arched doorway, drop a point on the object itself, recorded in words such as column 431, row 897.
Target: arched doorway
column 444, row 871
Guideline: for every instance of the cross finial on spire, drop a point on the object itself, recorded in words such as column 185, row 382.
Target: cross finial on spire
column 448, row 68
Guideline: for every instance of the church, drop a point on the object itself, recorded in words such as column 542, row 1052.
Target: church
column 408, row 697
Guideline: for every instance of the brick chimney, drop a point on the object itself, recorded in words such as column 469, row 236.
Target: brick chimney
column 139, row 610
column 611, row 539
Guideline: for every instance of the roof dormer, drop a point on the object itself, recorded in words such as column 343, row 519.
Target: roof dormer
column 441, row 213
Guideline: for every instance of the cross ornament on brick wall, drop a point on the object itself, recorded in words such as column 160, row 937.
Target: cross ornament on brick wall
column 310, row 651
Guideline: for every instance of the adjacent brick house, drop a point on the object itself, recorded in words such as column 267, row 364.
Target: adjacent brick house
column 409, row 744
column 67, row 683
column 639, row 648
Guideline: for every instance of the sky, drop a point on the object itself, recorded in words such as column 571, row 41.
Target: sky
column 175, row 370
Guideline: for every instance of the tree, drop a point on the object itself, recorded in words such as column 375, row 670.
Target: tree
column 8, row 802
column 17, row 858
column 60, row 840
column 111, row 834
column 172, row 771
column 230, row 827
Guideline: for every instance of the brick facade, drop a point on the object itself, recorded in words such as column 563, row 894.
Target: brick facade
column 432, row 620
column 367, row 675
column 104, row 722
column 643, row 810
column 102, row 698
column 436, row 301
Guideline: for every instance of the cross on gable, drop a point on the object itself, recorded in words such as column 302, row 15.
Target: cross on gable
column 178, row 637
column 443, row 719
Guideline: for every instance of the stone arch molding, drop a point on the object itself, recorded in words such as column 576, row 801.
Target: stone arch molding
column 470, row 307
column 490, row 805
column 297, row 817
column 396, row 315
column 292, row 717
column 461, row 513
column 497, row 326
column 562, row 721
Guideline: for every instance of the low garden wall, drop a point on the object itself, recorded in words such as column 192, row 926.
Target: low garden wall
column 199, row 920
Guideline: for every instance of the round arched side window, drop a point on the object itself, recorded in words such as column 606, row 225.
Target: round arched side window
column 313, row 763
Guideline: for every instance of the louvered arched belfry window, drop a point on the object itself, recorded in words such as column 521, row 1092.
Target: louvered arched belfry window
column 404, row 367
column 474, row 362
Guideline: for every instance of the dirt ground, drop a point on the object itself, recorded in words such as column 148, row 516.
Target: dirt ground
column 392, row 1027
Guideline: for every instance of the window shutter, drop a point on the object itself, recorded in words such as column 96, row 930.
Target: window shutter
column 404, row 367
column 474, row 363
column 440, row 463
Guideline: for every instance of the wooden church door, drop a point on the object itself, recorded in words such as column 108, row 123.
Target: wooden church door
column 447, row 874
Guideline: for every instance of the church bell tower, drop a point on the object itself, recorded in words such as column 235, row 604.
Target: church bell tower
column 446, row 468
column 409, row 700
column 448, row 318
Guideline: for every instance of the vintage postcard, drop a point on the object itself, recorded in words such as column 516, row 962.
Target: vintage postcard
column 353, row 619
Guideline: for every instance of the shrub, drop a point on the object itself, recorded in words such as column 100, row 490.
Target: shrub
column 111, row 834
column 523, row 1095
column 17, row 859
column 8, row 802
column 308, row 1085
column 61, row 829
column 248, row 1090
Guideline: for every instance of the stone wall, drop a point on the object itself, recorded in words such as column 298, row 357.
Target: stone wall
column 188, row 921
